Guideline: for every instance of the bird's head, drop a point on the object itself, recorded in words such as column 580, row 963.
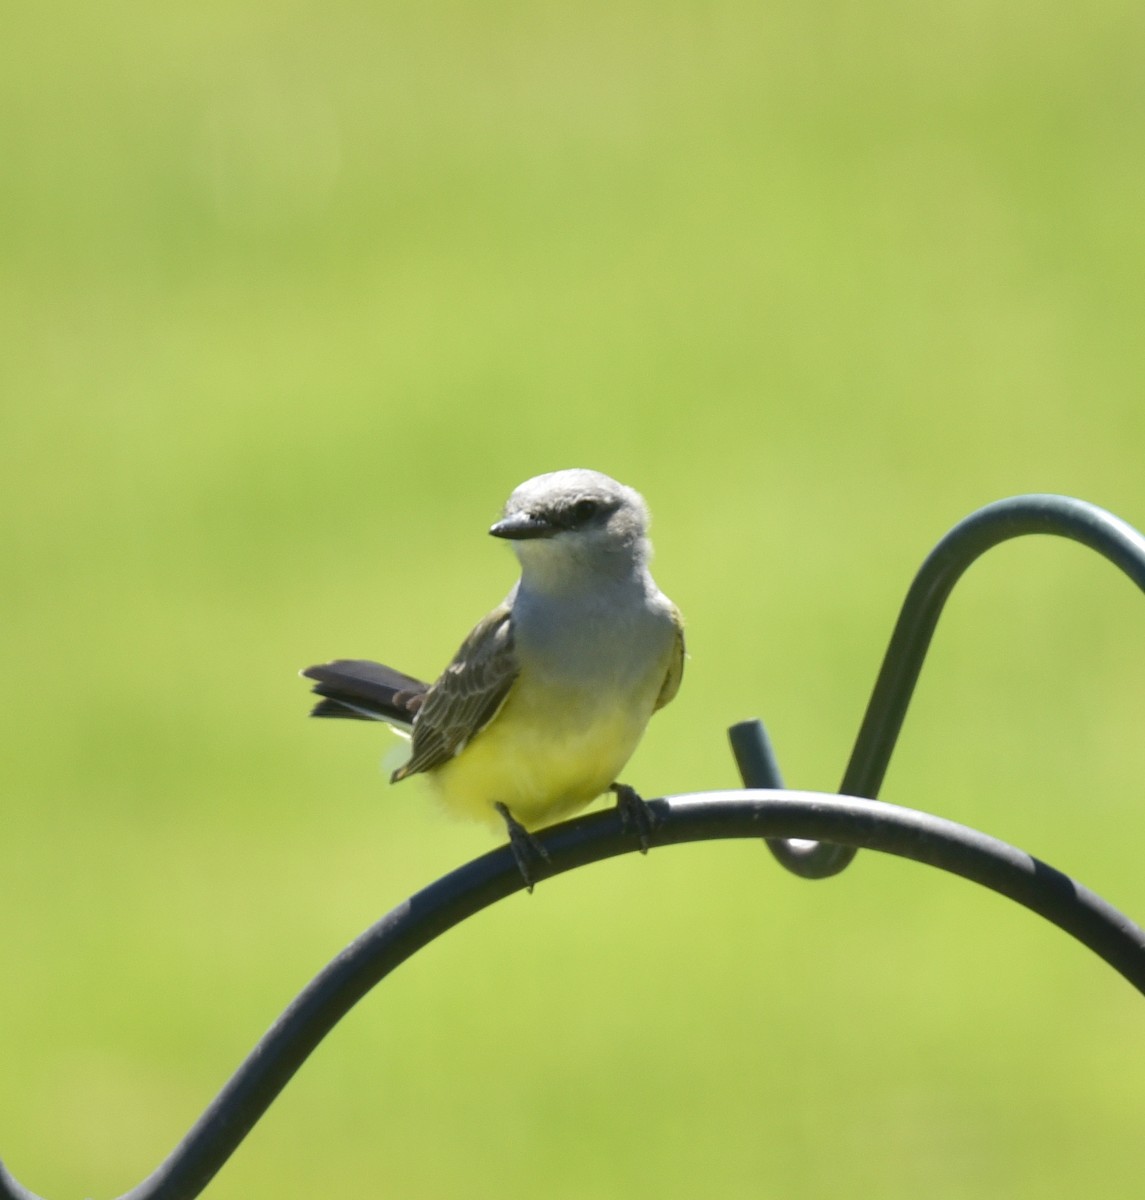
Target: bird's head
column 576, row 521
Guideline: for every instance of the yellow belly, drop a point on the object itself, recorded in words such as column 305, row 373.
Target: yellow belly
column 541, row 759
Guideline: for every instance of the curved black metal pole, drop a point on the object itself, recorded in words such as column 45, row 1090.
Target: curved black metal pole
column 759, row 768
column 1064, row 516
column 839, row 820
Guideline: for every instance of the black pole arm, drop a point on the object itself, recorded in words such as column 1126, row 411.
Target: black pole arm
column 840, row 820
column 1063, row 516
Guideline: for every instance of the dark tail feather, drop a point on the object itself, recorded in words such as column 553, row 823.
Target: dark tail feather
column 335, row 708
column 365, row 691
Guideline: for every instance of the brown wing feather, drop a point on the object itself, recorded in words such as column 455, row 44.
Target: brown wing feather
column 467, row 695
column 675, row 673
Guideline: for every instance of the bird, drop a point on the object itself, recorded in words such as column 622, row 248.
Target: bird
column 547, row 697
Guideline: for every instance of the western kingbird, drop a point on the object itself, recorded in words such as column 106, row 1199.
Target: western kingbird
column 547, row 697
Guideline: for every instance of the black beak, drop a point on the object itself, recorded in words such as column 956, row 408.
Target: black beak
column 521, row 526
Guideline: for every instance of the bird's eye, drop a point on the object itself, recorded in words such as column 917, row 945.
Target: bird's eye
column 584, row 510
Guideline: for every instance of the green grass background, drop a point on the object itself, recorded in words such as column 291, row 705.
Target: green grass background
column 292, row 296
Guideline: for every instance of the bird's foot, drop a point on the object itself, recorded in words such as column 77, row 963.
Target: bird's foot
column 635, row 814
column 527, row 850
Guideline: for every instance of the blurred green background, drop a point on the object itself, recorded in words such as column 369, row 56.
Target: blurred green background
column 293, row 296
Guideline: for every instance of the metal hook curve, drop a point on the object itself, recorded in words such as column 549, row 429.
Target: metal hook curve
column 1016, row 516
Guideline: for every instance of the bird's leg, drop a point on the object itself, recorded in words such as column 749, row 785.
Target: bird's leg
column 527, row 851
column 634, row 814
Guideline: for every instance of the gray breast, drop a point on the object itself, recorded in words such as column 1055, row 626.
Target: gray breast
column 600, row 639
